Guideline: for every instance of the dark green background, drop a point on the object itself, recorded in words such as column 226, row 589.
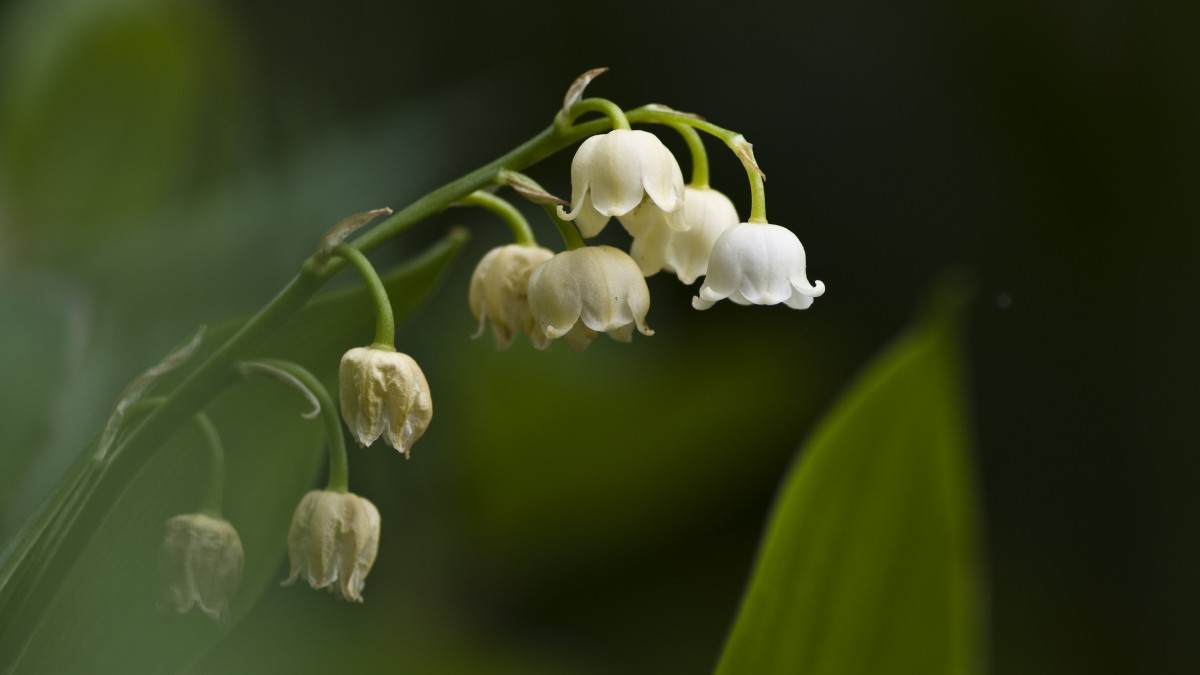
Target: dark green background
column 1049, row 146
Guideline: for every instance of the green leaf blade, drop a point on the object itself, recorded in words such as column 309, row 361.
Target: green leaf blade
column 871, row 560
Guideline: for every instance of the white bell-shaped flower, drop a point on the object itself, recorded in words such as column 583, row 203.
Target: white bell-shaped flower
column 200, row 563
column 708, row 214
column 333, row 541
column 589, row 290
column 500, row 293
column 758, row 264
column 384, row 391
column 614, row 173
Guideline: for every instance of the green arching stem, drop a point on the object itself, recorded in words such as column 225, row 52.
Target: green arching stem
column 758, row 195
column 655, row 114
column 570, row 236
column 339, row 472
column 214, row 497
column 699, row 154
column 385, row 323
column 601, row 105
column 521, row 232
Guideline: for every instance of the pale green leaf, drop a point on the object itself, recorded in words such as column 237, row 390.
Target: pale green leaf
column 871, row 560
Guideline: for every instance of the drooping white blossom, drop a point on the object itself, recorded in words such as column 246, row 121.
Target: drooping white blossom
column 614, row 173
column 200, row 563
column 333, row 541
column 708, row 214
column 589, row 290
column 384, row 391
column 499, row 293
column 758, row 264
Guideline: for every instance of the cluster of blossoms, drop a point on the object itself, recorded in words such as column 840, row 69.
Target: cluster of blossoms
column 690, row 230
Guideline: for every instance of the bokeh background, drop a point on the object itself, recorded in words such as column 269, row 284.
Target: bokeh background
column 167, row 163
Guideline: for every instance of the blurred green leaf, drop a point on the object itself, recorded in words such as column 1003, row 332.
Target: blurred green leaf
column 43, row 311
column 871, row 561
column 103, row 616
column 110, row 110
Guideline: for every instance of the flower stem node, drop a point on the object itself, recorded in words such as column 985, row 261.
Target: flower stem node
column 333, row 542
column 580, row 292
column 200, row 563
column 612, row 174
column 500, row 293
column 658, row 247
column 384, row 391
column 758, row 264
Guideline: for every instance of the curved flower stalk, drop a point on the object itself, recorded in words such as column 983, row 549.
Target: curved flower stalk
column 499, row 293
column 333, row 541
column 758, row 264
column 384, row 391
column 708, row 214
column 595, row 288
column 614, row 173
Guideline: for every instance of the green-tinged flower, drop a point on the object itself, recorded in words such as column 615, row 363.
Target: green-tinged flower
column 587, row 290
column 200, row 563
column 613, row 173
column 384, row 391
column 333, row 541
column 500, row 293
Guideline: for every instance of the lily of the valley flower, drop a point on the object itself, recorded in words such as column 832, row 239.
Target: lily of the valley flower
column 758, row 264
column 708, row 214
column 333, row 541
column 384, row 391
column 595, row 288
column 500, row 293
column 200, row 563
column 613, row 173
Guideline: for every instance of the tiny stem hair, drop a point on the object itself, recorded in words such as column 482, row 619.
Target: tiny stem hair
column 517, row 224
column 385, row 323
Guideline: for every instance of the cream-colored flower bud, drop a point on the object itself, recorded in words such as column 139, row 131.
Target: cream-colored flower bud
column 613, row 173
column 384, row 392
column 758, row 264
column 333, row 541
column 500, row 293
column 597, row 288
column 708, row 214
column 200, row 563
